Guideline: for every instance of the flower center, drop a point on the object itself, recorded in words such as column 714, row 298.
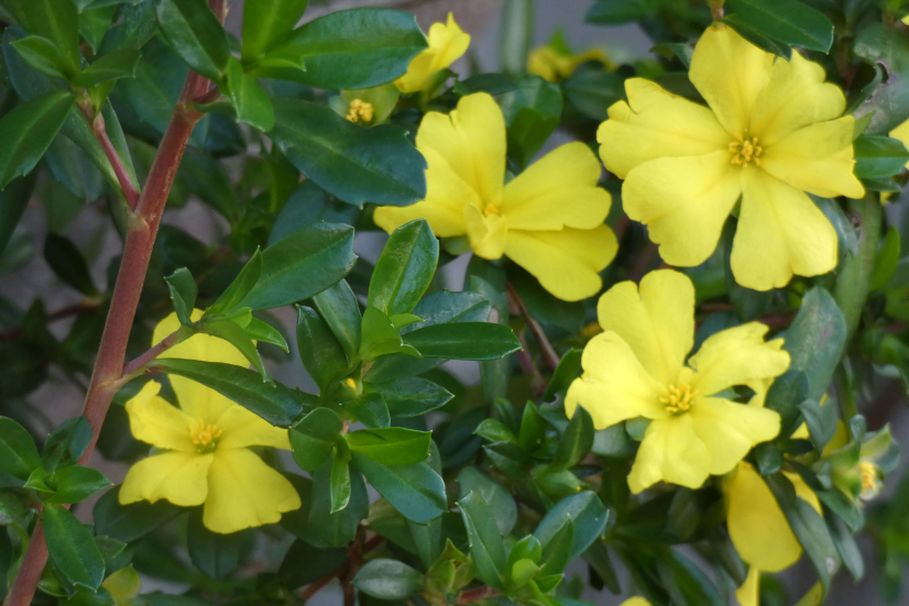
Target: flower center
column 491, row 210
column 204, row 436
column 678, row 398
column 746, row 151
column 868, row 474
column 360, row 111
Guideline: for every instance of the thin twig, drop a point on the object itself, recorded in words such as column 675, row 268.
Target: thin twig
column 123, row 177
column 550, row 357
column 84, row 306
column 137, row 363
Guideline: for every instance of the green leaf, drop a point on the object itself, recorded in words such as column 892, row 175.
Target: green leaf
column 28, row 130
column 356, row 48
column 249, row 98
column 18, row 454
column 405, row 268
column 263, row 332
column 379, row 337
column 879, row 157
column 277, row 404
column 391, row 445
column 888, row 258
column 231, row 332
column 66, row 443
column 464, row 341
column 195, row 34
column 369, row 409
column 486, row 548
column 416, row 491
column 217, row 555
column 117, row 64
column 378, row 164
column 585, row 511
column 340, row 309
column 13, row 201
column 576, row 441
column 320, row 352
column 183, row 291
column 339, row 481
column 388, row 579
column 72, row 548
column 55, row 20
column 231, row 299
column 129, row 522
column 41, row 54
column 68, row 264
column 411, row 396
column 266, row 24
column 611, row 12
column 302, row 264
column 790, row 22
column 314, row 437
column 887, row 48
column 501, row 503
column 532, row 111
column 75, row 483
column 557, row 552
column 326, row 529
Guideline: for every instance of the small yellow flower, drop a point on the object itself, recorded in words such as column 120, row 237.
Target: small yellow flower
column 203, row 454
column 901, row 133
column 636, row 601
column 549, row 219
column 637, row 368
column 447, row 43
column 773, row 130
column 553, row 63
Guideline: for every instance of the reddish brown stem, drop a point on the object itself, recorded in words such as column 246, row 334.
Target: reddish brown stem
column 550, row 357
column 472, row 596
column 123, row 177
column 137, row 363
column 137, row 250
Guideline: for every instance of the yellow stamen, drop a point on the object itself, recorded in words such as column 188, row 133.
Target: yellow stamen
column 678, row 398
column 491, row 209
column 746, row 151
column 360, row 111
column 204, row 436
column 869, row 476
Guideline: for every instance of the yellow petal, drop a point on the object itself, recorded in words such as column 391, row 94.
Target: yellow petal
column 241, row 428
column 749, row 592
column 656, row 320
column 730, row 430
column 178, row 477
column 635, row 601
column 901, row 132
column 730, row 73
column 244, row 492
column 447, row 43
column 566, row 262
column 614, row 386
column 487, row 234
column 795, row 96
column 654, row 123
column 684, row 202
column 737, row 356
column 560, row 190
column 757, row 526
column 154, row 421
column 670, row 452
column 780, row 233
column 471, row 139
column 818, row 159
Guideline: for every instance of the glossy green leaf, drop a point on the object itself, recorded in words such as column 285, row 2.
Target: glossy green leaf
column 370, row 410
column 609, row 12
column 340, row 309
column 879, row 157
column 378, row 165
column 66, row 443
column 75, row 483
column 391, row 445
column 326, row 529
column 195, row 34
column 18, row 454
column 585, row 511
column 486, row 549
column 320, row 351
column 313, row 438
column 217, row 555
column 356, row 48
column 183, row 291
column 791, row 22
column 411, row 396
column 231, row 300
column 405, row 268
column 576, row 441
column 129, row 522
column 532, row 112
column 277, row 404
column 68, row 264
column 267, row 24
column 119, row 63
column 888, row 258
column 263, row 332
column 238, row 337
column 302, row 264
column 41, row 54
column 379, row 337
column 464, row 341
column 501, row 502
column 388, row 579
column 72, row 548
column 249, row 98
column 416, row 491
column 888, row 49
column 27, row 131
column 13, row 201
column 339, row 482
column 55, row 20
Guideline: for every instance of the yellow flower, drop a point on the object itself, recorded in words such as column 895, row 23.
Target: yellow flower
column 447, row 43
column 549, row 219
column 901, row 133
column 773, row 131
column 637, row 368
column 636, row 601
column 554, row 63
column 203, row 451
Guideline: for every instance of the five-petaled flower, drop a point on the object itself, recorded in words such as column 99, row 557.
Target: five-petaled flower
column 773, row 130
column 637, row 368
column 447, row 43
column 203, row 451
column 549, row 219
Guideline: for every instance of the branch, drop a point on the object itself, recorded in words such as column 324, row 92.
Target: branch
column 137, row 363
column 123, row 177
column 550, row 357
